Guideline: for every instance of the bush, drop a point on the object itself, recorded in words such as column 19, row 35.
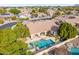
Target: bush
column 1, row 21
column 24, row 18
column 27, row 18
column 13, row 17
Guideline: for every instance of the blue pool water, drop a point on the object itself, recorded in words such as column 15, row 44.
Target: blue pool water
column 43, row 43
column 74, row 51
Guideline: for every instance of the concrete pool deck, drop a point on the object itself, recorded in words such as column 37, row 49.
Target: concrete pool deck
column 29, row 40
column 39, row 38
column 55, row 46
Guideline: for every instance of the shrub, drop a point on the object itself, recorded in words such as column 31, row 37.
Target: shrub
column 13, row 17
column 2, row 11
column 1, row 21
column 25, row 18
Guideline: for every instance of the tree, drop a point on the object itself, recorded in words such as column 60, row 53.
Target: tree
column 43, row 10
column 26, row 18
column 7, row 37
column 13, row 17
column 34, row 12
column 14, row 11
column 76, row 8
column 2, row 11
column 67, row 8
column 67, row 31
column 68, row 12
column 9, row 45
column 1, row 21
column 57, row 13
column 21, row 30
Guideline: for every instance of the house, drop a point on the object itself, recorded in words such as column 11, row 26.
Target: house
column 6, row 15
column 62, row 50
column 42, row 18
column 36, row 27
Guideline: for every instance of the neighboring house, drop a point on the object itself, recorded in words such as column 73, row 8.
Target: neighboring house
column 66, row 18
column 42, row 18
column 6, row 15
column 62, row 50
column 73, row 21
column 23, row 15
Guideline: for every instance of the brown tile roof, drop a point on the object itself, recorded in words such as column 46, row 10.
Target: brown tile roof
column 40, row 26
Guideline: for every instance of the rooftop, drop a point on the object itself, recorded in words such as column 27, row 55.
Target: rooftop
column 40, row 26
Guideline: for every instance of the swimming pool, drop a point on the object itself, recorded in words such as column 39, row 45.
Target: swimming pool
column 42, row 43
column 74, row 51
